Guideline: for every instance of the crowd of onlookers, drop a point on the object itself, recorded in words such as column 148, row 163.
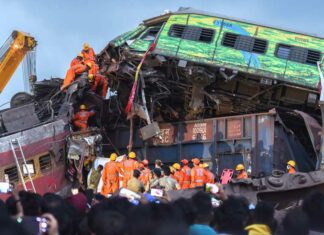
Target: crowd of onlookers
column 85, row 213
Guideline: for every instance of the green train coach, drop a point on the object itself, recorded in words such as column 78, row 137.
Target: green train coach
column 233, row 48
column 220, row 41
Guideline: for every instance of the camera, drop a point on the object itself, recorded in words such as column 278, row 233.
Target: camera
column 42, row 224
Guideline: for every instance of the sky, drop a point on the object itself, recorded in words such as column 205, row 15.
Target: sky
column 62, row 26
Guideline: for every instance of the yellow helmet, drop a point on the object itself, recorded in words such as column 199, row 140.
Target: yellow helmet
column 176, row 166
column 132, row 155
column 240, row 167
column 80, row 55
column 83, row 107
column 205, row 165
column 89, row 64
column 86, row 46
column 113, row 157
column 90, row 77
column 291, row 163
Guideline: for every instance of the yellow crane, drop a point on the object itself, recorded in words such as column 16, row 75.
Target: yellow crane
column 12, row 52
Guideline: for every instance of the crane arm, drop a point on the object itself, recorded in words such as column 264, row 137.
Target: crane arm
column 12, row 53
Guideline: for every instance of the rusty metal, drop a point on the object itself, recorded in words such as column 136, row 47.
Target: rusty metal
column 278, row 188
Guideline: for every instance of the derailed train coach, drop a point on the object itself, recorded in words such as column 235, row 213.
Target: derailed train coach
column 210, row 81
column 204, row 65
column 263, row 142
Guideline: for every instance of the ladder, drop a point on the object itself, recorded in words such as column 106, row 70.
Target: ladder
column 320, row 162
column 16, row 142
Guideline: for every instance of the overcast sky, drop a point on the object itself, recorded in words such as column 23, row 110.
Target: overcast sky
column 61, row 26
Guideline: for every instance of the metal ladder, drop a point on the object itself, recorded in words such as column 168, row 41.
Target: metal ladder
column 16, row 142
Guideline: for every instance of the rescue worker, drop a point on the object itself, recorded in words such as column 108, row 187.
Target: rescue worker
column 88, row 53
column 186, row 173
column 209, row 177
column 98, row 84
column 95, row 178
column 241, row 173
column 129, row 165
column 291, row 167
column 80, row 119
column 197, row 174
column 77, row 70
column 177, row 173
column 110, row 176
column 145, row 173
column 77, row 60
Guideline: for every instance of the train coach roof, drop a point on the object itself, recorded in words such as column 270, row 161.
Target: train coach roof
column 189, row 10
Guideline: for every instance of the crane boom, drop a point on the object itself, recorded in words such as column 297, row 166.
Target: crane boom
column 12, row 53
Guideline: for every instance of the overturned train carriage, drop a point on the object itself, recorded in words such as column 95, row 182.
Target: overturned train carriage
column 263, row 142
column 205, row 65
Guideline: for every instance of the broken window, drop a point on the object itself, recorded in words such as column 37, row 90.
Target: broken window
column 245, row 43
column 298, row 54
column 45, row 163
column 193, row 33
column 150, row 34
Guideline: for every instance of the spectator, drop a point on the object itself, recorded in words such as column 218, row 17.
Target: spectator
column 295, row 222
column 203, row 215
column 232, row 215
column 263, row 221
column 134, row 184
column 78, row 200
column 313, row 206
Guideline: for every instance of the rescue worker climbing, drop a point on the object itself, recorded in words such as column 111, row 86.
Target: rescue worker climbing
column 88, row 53
column 77, row 60
column 197, row 174
column 186, row 174
column 76, row 70
column 241, row 173
column 291, row 167
column 177, row 173
column 80, row 119
column 209, row 177
column 110, row 176
column 98, row 84
column 129, row 165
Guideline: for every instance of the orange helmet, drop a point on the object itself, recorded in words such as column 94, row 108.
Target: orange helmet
column 185, row 161
column 195, row 161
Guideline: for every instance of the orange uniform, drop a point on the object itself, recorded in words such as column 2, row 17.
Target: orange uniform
column 100, row 83
column 129, row 165
column 72, row 72
column 110, row 178
column 145, row 176
column 209, row 177
column 291, row 170
column 197, row 177
column 242, row 175
column 94, row 67
column 88, row 55
column 80, row 119
column 178, row 177
column 75, row 61
column 186, row 174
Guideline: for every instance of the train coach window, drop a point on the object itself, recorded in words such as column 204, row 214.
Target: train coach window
column 12, row 173
column 193, row 33
column 45, row 163
column 245, row 43
column 298, row 54
column 150, row 34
